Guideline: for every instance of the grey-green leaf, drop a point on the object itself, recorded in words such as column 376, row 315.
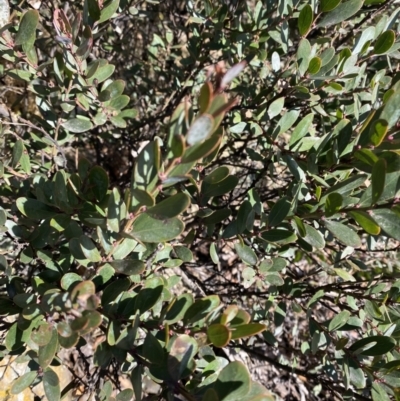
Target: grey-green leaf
column 51, row 385
column 342, row 12
column 305, row 19
column 388, row 221
column 23, row 382
column 78, row 125
column 384, row 42
column 27, row 28
column 246, row 253
column 343, row 233
column 200, row 129
column 147, row 229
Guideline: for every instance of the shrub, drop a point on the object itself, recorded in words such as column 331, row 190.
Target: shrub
column 268, row 183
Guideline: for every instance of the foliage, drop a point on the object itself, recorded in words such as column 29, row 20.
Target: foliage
column 289, row 159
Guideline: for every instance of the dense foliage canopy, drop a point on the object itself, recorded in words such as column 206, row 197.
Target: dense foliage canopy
column 193, row 189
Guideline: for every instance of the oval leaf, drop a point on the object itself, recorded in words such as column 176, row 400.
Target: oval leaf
column 247, row 330
column 246, row 254
column 128, row 266
column 51, row 385
column 365, row 221
column 170, row 207
column 378, row 179
column 200, row 129
column 341, row 12
column 279, row 212
column 384, row 42
column 147, row 229
column 78, row 125
column 23, row 382
column 373, row 345
column 27, row 28
column 343, row 233
column 219, row 335
column 388, row 221
column 305, row 20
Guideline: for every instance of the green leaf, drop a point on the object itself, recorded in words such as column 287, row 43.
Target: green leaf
column 373, row 345
column 279, row 212
column 206, row 93
column 180, row 358
column 152, row 350
column 98, row 181
column 211, row 395
column 305, row 20
column 18, row 151
column 147, row 229
column 378, row 177
column 200, row 129
column 388, row 221
column 47, row 352
column 115, row 88
column 200, row 150
column 343, row 233
column 329, row 5
column 273, row 279
column 149, row 294
column 303, row 56
column 229, row 313
column 34, row 209
column 141, row 197
column 314, row 65
column 145, row 173
column 217, row 216
column 219, row 335
column 15, row 338
column 214, row 253
column 201, row 308
column 78, row 125
column 27, row 28
column 339, row 320
column 378, row 393
column 108, row 10
column 356, row 374
column 340, row 13
column 128, row 266
column 219, row 188
column 279, row 236
column 119, row 102
column 384, row 42
column 137, row 382
column 247, row 330
column 246, row 254
column 170, row 207
column 365, row 221
column 178, row 309
column 43, row 335
column 276, row 107
column 89, row 249
column 23, row 382
column 390, row 111
column 233, row 382
column 333, row 204
column 345, row 275
column 379, row 132
column 51, row 385
column 125, row 395
column 101, row 73
column 302, row 129
column 183, row 253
